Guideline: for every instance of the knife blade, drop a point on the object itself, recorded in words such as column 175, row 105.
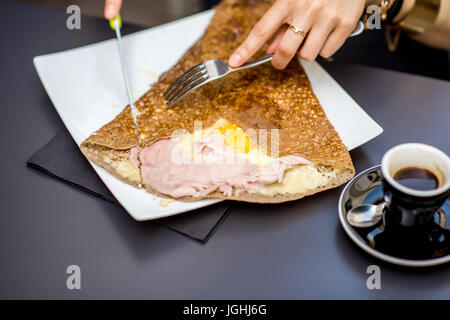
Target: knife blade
column 116, row 24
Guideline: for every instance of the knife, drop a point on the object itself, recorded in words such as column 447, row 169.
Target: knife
column 116, row 24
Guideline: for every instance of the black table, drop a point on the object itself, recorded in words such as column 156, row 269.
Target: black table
column 293, row 250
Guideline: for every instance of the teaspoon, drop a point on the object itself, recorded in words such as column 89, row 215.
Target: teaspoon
column 365, row 215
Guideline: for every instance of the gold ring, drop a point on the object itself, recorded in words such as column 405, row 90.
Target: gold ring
column 297, row 30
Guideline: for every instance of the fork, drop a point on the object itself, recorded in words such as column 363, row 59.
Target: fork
column 210, row 70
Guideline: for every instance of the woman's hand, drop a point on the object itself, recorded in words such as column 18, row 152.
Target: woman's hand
column 112, row 8
column 328, row 24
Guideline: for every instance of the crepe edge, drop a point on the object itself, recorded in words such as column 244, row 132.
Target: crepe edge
column 97, row 153
column 340, row 178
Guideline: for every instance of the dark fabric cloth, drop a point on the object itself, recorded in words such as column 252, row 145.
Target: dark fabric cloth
column 61, row 158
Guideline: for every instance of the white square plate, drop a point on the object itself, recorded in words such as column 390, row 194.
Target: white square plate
column 86, row 88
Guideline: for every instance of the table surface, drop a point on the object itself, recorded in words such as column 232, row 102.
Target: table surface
column 289, row 251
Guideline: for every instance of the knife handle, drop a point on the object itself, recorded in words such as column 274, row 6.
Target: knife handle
column 112, row 22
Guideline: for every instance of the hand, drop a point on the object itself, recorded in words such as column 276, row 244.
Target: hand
column 112, row 8
column 328, row 24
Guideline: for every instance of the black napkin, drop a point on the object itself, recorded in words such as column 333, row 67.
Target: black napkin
column 61, row 158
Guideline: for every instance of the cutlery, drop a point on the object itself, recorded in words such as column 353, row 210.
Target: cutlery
column 365, row 215
column 116, row 24
column 211, row 70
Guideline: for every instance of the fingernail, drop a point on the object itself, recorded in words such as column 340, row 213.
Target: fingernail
column 234, row 59
column 110, row 10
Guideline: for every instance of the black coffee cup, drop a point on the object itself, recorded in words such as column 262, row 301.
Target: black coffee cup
column 406, row 206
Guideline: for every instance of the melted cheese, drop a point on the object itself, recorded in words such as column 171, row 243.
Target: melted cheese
column 125, row 169
column 299, row 180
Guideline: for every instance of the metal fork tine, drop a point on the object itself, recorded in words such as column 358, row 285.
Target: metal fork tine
column 189, row 71
column 182, row 91
column 191, row 86
column 183, row 83
column 183, row 76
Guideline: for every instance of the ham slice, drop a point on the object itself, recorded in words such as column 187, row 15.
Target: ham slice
column 212, row 166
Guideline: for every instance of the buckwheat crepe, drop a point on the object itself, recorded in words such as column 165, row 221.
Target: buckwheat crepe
column 257, row 98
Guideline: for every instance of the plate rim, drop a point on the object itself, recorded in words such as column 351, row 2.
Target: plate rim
column 363, row 245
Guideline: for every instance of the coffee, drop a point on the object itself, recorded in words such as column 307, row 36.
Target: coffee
column 417, row 178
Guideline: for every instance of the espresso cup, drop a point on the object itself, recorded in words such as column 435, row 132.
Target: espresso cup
column 407, row 206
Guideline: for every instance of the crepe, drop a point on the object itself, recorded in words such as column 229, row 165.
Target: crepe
column 256, row 98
